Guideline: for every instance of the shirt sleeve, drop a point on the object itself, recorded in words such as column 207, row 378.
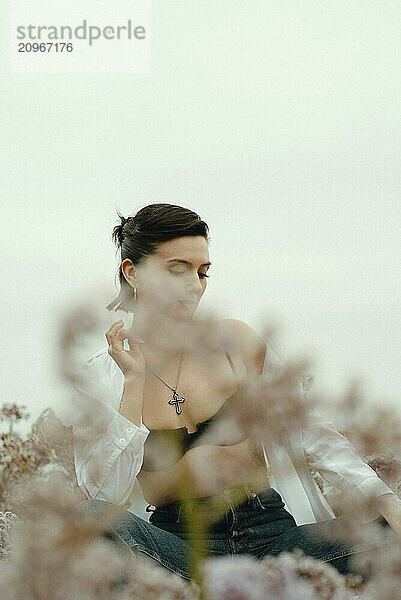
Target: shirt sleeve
column 108, row 447
column 329, row 452
column 336, row 460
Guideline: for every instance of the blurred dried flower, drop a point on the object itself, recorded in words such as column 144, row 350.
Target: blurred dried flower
column 153, row 582
column 388, row 468
column 57, row 554
column 12, row 413
column 246, row 578
column 327, row 582
column 8, row 520
column 384, row 569
column 374, row 429
column 48, row 446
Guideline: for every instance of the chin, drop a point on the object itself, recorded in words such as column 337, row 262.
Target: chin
column 185, row 314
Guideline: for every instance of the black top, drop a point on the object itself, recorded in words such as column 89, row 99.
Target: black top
column 164, row 447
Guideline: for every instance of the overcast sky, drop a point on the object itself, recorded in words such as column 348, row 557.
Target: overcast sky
column 279, row 123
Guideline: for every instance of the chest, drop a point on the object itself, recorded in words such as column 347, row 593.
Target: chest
column 203, row 386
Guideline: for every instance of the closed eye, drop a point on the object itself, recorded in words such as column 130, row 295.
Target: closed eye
column 201, row 275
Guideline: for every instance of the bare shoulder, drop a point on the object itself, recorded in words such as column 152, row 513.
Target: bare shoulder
column 245, row 340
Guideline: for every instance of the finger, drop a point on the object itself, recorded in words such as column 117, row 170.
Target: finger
column 112, row 331
column 128, row 342
column 117, row 340
column 122, row 337
column 113, row 327
column 124, row 334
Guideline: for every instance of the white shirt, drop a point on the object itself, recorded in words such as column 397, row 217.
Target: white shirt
column 109, row 448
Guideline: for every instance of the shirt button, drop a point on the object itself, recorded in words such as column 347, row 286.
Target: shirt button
column 129, row 429
column 122, row 440
column 226, row 491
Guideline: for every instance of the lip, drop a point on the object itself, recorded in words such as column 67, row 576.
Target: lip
column 191, row 302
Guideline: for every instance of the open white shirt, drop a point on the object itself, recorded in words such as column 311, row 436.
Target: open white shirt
column 108, row 449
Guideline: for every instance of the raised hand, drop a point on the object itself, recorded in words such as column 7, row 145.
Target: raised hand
column 131, row 362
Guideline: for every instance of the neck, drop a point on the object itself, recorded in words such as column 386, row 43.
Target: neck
column 160, row 334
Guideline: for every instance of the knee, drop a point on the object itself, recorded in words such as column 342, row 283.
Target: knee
column 93, row 507
column 92, row 503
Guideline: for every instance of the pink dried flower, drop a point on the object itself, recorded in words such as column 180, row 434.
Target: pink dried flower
column 56, row 553
column 327, row 582
column 246, row 578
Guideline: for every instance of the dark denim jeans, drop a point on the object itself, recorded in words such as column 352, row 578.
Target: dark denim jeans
column 257, row 526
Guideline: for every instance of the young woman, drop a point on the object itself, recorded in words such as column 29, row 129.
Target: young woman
column 141, row 414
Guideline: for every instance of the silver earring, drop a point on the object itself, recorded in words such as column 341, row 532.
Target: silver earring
column 134, row 293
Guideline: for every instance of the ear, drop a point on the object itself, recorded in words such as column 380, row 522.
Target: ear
column 129, row 271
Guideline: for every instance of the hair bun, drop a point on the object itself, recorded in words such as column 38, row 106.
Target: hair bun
column 118, row 233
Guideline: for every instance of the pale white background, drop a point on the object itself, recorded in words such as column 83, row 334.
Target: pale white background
column 278, row 122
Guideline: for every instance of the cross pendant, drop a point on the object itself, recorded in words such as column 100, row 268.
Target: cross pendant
column 176, row 400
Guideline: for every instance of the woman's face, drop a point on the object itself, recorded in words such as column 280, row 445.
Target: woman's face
column 172, row 280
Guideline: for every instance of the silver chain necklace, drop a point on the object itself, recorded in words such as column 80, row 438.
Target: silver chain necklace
column 175, row 400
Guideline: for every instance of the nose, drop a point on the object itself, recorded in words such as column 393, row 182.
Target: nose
column 194, row 290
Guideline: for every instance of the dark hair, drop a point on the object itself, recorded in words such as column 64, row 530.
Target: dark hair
column 137, row 237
